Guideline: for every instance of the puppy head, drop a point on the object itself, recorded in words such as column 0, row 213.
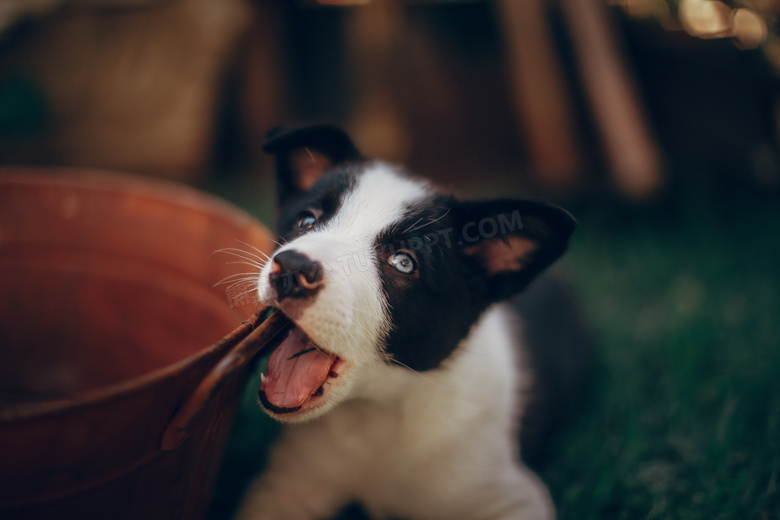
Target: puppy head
column 379, row 270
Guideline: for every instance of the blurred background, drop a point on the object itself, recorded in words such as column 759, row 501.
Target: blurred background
column 655, row 121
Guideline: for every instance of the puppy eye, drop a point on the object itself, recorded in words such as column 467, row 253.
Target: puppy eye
column 306, row 221
column 402, row 262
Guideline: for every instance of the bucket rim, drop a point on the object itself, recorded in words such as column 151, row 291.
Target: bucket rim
column 115, row 181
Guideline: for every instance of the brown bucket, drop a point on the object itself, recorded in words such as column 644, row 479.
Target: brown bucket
column 117, row 383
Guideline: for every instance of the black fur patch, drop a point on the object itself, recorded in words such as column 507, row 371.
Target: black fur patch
column 325, row 196
column 432, row 309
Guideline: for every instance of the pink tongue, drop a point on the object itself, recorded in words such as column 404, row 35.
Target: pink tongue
column 292, row 379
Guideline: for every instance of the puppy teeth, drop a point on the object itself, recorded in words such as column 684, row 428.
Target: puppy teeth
column 262, row 378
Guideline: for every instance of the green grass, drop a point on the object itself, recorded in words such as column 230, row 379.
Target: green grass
column 683, row 418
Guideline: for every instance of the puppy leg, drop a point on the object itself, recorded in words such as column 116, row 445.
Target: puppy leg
column 280, row 496
column 303, row 481
column 495, row 489
column 517, row 495
column 525, row 497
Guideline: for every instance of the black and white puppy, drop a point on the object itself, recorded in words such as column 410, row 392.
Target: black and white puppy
column 404, row 368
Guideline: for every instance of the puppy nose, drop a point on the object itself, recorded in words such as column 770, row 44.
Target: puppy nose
column 294, row 275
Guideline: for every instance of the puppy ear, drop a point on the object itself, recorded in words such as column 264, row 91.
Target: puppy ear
column 304, row 154
column 509, row 242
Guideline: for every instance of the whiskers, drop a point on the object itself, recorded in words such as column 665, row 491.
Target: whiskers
column 257, row 260
column 414, row 227
column 243, row 286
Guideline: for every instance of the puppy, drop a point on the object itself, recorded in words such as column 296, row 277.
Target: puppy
column 404, row 370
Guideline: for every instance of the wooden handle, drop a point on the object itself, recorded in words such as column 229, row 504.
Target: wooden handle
column 267, row 327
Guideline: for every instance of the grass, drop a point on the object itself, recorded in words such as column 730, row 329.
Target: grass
column 682, row 419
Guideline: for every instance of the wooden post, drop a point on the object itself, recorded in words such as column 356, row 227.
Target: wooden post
column 631, row 150
column 540, row 94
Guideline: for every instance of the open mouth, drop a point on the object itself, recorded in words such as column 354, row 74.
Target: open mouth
column 298, row 375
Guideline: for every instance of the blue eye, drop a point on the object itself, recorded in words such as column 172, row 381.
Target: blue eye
column 306, row 221
column 402, row 262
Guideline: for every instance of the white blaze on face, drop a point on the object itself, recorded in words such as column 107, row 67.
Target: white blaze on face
column 348, row 317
